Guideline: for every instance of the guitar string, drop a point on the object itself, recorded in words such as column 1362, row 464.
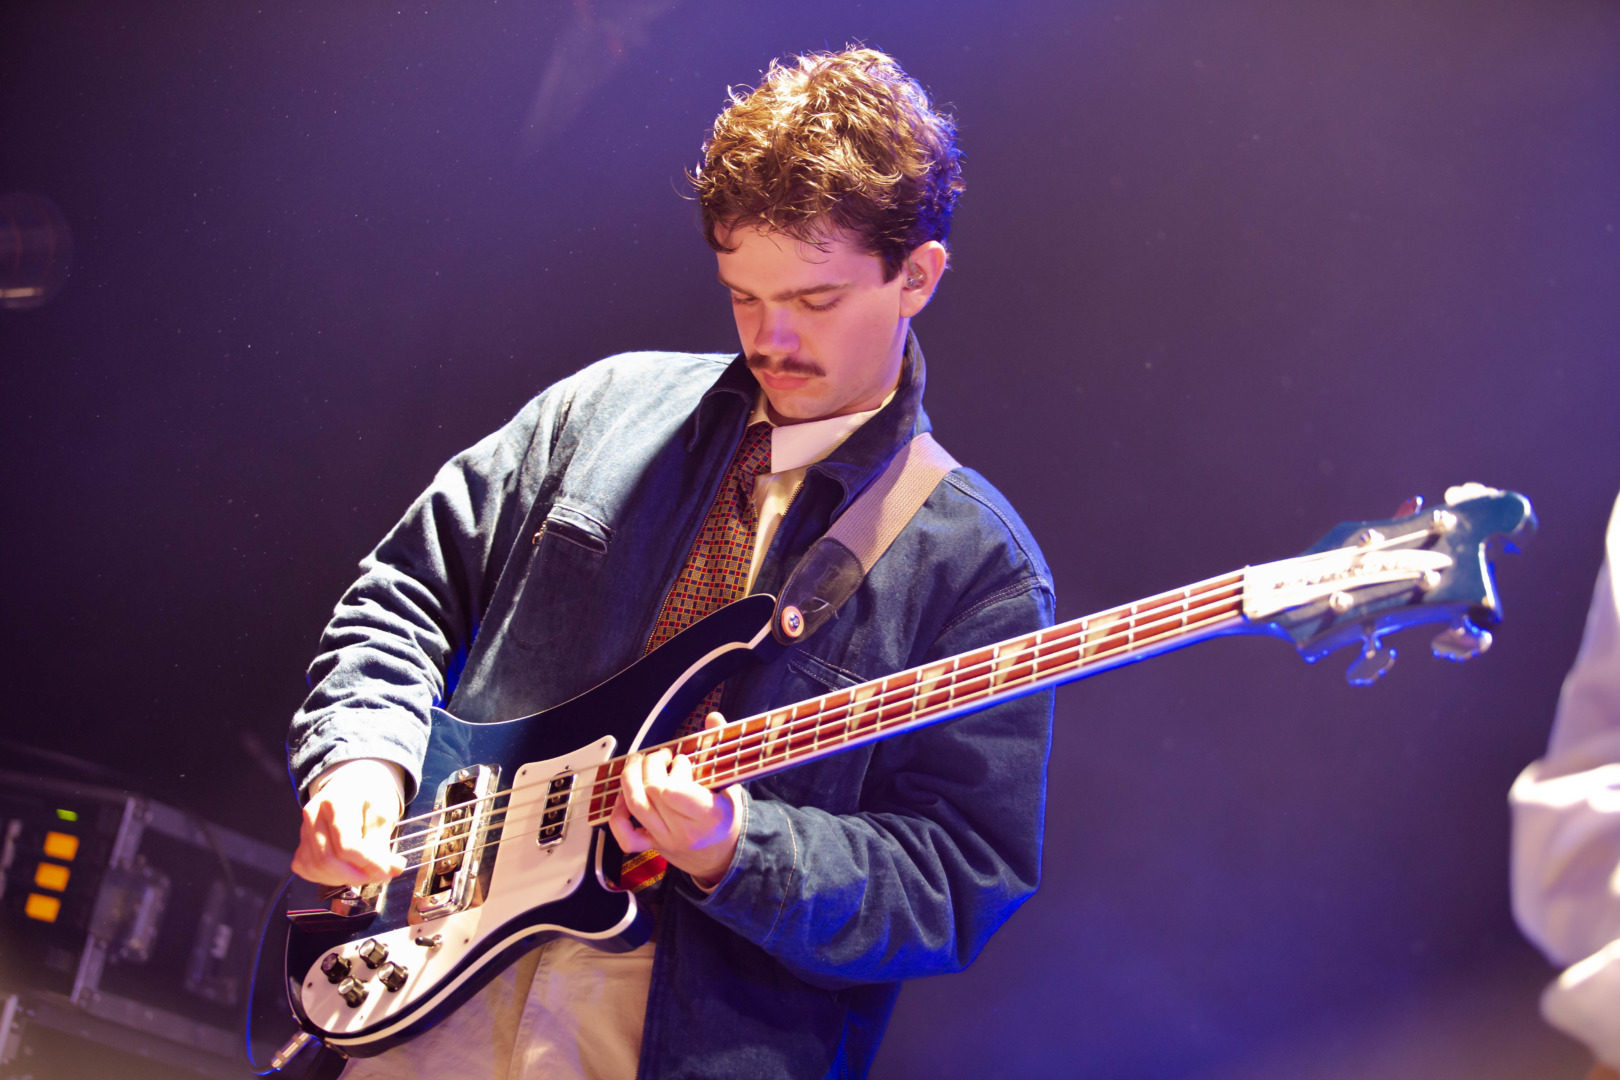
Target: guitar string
column 711, row 755
column 591, row 816
column 1206, row 589
column 859, row 720
column 1072, row 638
column 1146, row 606
column 1150, row 604
column 499, row 815
column 743, row 742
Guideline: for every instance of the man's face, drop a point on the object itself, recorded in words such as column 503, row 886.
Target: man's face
column 822, row 331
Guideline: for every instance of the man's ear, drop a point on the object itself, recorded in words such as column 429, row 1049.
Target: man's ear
column 920, row 277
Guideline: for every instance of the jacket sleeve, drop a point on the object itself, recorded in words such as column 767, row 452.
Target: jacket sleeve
column 1566, row 832
column 946, row 846
column 396, row 637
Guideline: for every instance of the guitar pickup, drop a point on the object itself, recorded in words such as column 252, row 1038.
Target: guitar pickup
column 555, row 817
column 458, row 852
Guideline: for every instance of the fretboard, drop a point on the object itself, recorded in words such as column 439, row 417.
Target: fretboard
column 792, row 735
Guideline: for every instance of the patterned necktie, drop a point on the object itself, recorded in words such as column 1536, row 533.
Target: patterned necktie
column 715, row 574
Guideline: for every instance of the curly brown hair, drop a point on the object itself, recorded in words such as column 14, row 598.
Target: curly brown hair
column 827, row 141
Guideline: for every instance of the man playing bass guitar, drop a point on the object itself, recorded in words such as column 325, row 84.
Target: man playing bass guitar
column 639, row 494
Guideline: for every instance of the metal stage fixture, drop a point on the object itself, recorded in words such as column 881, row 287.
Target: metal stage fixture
column 127, row 930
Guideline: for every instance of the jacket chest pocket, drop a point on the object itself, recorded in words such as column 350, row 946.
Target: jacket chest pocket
column 832, row 783
column 568, row 553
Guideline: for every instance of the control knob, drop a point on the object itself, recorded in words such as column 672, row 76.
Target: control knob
column 353, row 991
column 335, row 966
column 373, row 952
column 393, row 976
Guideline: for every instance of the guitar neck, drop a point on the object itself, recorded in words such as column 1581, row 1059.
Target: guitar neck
column 782, row 738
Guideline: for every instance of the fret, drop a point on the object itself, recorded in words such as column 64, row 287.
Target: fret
column 939, row 674
column 760, row 745
column 773, row 734
column 839, row 704
column 869, row 719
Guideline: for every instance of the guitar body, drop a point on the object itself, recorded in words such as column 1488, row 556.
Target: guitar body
column 524, row 891
column 507, row 837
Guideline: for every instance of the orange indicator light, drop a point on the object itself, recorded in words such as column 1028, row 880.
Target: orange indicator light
column 61, row 845
column 42, row 907
column 48, row 875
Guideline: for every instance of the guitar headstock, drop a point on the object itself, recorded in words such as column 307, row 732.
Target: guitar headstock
column 1366, row 579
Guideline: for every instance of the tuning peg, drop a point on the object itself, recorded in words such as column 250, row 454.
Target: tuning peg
column 1460, row 641
column 1375, row 660
column 1409, row 507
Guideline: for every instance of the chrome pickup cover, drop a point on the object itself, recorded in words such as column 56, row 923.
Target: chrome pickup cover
column 458, row 844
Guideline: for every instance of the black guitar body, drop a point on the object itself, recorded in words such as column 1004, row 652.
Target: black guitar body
column 367, row 973
column 641, row 706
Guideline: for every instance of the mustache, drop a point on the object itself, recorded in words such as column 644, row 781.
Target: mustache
column 785, row 366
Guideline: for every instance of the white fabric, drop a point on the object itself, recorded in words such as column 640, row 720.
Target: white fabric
column 1566, row 831
column 564, row 1012
column 794, row 448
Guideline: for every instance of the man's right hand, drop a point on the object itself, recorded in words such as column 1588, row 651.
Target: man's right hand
column 347, row 827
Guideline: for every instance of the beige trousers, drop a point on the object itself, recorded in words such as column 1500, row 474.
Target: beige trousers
column 564, row 1012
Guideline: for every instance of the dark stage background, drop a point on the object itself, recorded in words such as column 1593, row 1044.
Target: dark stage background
column 1226, row 274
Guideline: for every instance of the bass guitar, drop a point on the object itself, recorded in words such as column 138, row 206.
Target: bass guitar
column 510, row 848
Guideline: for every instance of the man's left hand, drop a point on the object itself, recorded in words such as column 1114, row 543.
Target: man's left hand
column 692, row 827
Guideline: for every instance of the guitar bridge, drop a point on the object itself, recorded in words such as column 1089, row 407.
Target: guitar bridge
column 457, row 859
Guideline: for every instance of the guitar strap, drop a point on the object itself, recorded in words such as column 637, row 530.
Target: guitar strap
column 834, row 566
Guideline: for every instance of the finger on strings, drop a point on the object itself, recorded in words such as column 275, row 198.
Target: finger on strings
column 362, row 854
column 630, row 839
column 680, row 773
column 311, row 845
column 634, row 792
column 360, row 861
column 330, row 868
column 377, row 839
column 655, row 765
column 324, row 831
column 683, row 795
column 668, row 789
column 389, row 862
column 325, row 815
column 711, row 723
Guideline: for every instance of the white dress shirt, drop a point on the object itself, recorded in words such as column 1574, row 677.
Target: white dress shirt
column 794, row 448
column 1566, row 832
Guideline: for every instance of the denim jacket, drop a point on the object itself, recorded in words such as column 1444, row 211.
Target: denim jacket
column 884, row 862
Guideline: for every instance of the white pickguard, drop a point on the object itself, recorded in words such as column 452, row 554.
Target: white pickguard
column 525, row 876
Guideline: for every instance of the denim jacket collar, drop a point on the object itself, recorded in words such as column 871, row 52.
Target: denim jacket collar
column 861, row 457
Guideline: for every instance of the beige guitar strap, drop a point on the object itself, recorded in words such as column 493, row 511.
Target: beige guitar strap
column 834, row 566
